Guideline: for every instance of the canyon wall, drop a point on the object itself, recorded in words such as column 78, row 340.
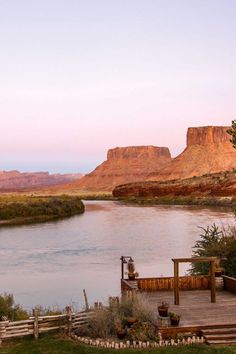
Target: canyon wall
column 124, row 165
column 208, row 151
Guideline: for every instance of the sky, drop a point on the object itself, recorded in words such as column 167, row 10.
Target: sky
column 79, row 77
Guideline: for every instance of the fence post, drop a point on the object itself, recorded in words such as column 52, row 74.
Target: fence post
column 86, row 300
column 69, row 319
column 36, row 323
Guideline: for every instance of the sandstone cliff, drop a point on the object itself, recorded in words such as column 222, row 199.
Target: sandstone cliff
column 123, row 165
column 15, row 180
column 208, row 151
column 210, row 185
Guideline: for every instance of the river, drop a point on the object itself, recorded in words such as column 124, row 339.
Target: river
column 50, row 264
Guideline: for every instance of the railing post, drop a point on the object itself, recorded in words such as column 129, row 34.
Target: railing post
column 213, row 282
column 176, row 282
column 36, row 323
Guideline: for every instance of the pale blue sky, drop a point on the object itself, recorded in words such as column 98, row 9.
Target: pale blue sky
column 79, row 77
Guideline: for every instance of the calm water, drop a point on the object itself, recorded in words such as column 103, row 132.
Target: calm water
column 51, row 263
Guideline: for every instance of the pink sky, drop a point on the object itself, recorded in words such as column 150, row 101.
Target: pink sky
column 78, row 78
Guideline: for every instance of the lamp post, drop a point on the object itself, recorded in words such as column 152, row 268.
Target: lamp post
column 124, row 260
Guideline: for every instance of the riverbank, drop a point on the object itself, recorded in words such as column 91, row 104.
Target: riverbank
column 218, row 189
column 229, row 202
column 22, row 209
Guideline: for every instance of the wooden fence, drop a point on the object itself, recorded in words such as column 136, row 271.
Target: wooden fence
column 42, row 324
column 229, row 284
column 167, row 283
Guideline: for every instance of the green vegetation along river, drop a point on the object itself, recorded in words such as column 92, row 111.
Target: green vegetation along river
column 18, row 210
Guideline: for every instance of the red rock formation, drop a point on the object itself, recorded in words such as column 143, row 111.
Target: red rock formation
column 211, row 185
column 15, row 180
column 123, row 165
column 208, row 151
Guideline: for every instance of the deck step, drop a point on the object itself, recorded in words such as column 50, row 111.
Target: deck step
column 220, row 336
column 222, row 331
column 222, row 342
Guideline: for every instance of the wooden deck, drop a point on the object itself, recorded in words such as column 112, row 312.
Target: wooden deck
column 196, row 308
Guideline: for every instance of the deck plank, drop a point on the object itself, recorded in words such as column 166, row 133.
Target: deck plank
column 195, row 307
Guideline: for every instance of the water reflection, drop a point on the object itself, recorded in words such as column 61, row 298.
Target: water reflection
column 51, row 263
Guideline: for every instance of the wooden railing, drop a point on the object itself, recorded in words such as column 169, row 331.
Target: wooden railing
column 16, row 329
column 42, row 324
column 167, row 283
column 229, row 284
column 127, row 285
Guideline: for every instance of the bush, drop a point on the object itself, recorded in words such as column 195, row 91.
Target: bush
column 143, row 331
column 48, row 311
column 9, row 310
column 220, row 243
column 102, row 324
column 108, row 320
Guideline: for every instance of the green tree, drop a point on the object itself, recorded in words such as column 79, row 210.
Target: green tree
column 232, row 132
column 215, row 242
column 9, row 310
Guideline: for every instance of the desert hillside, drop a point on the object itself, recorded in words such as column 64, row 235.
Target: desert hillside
column 15, row 180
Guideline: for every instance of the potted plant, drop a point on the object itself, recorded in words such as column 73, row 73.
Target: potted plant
column 163, row 309
column 174, row 319
column 131, row 321
column 131, row 270
column 121, row 333
column 120, row 330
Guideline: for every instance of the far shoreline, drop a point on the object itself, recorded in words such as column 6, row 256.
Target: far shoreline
column 23, row 210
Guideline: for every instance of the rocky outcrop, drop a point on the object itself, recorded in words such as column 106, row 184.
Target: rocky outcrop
column 211, row 185
column 123, row 165
column 208, row 151
column 15, row 180
column 207, row 135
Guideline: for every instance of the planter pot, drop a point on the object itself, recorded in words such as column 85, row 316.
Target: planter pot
column 131, row 277
column 121, row 334
column 163, row 311
column 174, row 321
column 131, row 321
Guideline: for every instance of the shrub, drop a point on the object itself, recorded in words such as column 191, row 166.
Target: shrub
column 9, row 310
column 48, row 311
column 108, row 320
column 143, row 331
column 100, row 325
column 232, row 132
column 216, row 242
